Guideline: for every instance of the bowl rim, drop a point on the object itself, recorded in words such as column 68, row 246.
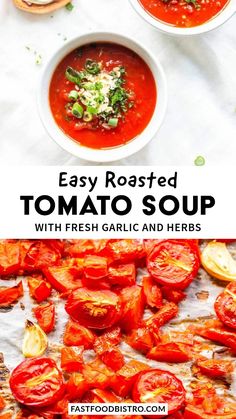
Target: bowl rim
column 228, row 11
column 115, row 153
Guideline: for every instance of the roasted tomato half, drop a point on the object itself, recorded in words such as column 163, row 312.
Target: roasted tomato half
column 158, row 386
column 37, row 382
column 174, row 263
column 132, row 302
column 225, row 305
column 45, row 315
column 94, row 309
column 215, row 368
column 10, row 295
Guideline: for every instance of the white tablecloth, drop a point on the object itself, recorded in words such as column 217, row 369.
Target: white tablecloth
column 201, row 75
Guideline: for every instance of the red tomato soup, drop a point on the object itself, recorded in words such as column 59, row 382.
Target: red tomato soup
column 184, row 13
column 102, row 95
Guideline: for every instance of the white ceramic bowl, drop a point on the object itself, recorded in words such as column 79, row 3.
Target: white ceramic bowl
column 112, row 154
column 214, row 23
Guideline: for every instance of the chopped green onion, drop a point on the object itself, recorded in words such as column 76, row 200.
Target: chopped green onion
column 113, row 122
column 69, row 7
column 92, row 67
column 77, row 110
column 92, row 110
column 73, row 95
column 73, row 75
column 87, row 117
column 199, row 161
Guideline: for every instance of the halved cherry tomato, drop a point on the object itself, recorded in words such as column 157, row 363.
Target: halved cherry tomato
column 71, row 361
column 77, row 335
column 152, row 292
column 126, row 250
column 45, row 315
column 218, row 262
column 225, row 305
column 170, row 352
column 163, row 316
column 158, row 386
column 79, row 248
column 37, row 382
column 95, row 267
column 132, row 303
column 218, row 334
column 124, row 379
column 37, row 255
column 107, row 340
column 174, row 296
column 142, row 339
column 10, row 295
column 174, row 263
column 122, row 275
column 97, row 374
column 149, row 244
column 94, row 309
column 76, row 386
column 63, row 278
column 97, row 395
column 39, row 289
column 9, row 257
column 113, row 358
column 215, row 368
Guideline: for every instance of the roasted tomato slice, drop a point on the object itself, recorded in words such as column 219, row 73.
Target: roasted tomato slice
column 132, row 303
column 94, row 309
column 107, row 340
column 37, row 382
column 39, row 289
column 158, row 386
column 10, row 295
column 122, row 275
column 215, row 368
column 2, row 403
column 174, row 296
column 63, row 278
column 170, row 352
column 76, row 386
column 142, row 339
column 77, row 335
column 97, row 374
column 124, row 379
column 126, row 251
column 218, row 333
column 37, row 255
column 113, row 358
column 71, row 361
column 163, row 316
column 45, row 315
column 95, row 267
column 9, row 257
column 152, row 292
column 174, row 263
column 79, row 248
column 225, row 305
column 100, row 396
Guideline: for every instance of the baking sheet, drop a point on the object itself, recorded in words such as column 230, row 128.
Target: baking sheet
column 197, row 307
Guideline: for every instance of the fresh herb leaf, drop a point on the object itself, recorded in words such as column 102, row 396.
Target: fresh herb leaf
column 69, row 7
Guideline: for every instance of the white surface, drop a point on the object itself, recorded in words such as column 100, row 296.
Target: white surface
column 201, row 76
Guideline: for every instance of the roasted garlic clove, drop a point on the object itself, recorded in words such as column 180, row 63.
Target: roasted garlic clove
column 35, row 341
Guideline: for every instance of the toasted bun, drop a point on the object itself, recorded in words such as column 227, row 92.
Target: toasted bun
column 40, row 9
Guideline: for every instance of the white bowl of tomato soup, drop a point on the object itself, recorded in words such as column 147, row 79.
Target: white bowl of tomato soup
column 102, row 96
column 185, row 17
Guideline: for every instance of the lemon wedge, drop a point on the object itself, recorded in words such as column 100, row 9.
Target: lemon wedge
column 218, row 262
